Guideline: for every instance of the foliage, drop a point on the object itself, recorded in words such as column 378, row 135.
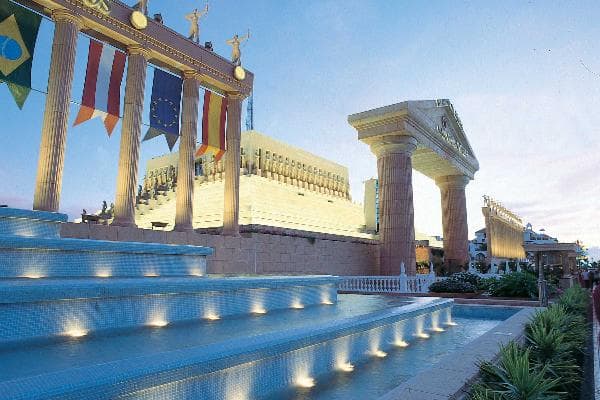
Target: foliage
column 550, row 363
column 451, row 286
column 486, row 284
column 466, row 277
column 515, row 284
column 514, row 377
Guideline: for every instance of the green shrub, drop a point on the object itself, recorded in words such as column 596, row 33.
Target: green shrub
column 451, row 286
column 466, row 277
column 486, row 284
column 515, row 284
column 514, row 377
column 550, row 364
column 575, row 300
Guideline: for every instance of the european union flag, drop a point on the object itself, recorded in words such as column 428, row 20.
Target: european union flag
column 164, row 107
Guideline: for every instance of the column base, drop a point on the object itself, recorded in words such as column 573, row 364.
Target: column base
column 124, row 223
column 231, row 233
column 184, row 228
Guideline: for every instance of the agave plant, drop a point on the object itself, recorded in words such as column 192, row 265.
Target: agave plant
column 515, row 378
column 550, row 351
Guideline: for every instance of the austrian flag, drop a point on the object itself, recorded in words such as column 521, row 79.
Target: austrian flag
column 102, row 88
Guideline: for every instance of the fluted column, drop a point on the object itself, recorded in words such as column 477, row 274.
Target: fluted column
column 231, row 210
column 454, row 220
column 56, row 115
column 187, row 147
column 130, row 136
column 396, row 212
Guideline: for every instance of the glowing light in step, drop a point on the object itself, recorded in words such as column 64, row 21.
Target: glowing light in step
column 448, row 318
column 379, row 353
column 435, row 322
column 305, row 382
column 297, row 305
column 211, row 316
column 151, row 274
column 258, row 310
column 400, row 343
column 103, row 273
column 420, row 333
column 33, row 275
column 158, row 322
column 345, row 367
column 196, row 272
column 75, row 330
column 327, row 302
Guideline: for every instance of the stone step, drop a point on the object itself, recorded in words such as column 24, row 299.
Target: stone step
column 156, row 364
column 54, row 309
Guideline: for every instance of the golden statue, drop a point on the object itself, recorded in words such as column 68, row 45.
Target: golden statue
column 235, row 47
column 142, row 6
column 194, row 18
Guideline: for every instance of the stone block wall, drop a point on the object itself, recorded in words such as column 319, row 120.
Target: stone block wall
column 276, row 251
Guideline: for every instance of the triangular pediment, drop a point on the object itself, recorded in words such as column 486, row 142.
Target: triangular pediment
column 441, row 118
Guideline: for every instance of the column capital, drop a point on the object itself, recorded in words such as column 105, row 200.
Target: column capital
column 456, row 181
column 64, row 15
column 137, row 49
column 392, row 144
column 191, row 74
column 235, row 96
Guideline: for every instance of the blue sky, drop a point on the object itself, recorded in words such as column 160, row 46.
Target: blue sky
column 524, row 77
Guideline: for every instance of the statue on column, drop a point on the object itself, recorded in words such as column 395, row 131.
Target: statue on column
column 280, row 168
column 194, row 18
column 243, row 166
column 235, row 42
column 293, row 172
column 286, row 170
column 267, row 164
column 142, row 6
column 257, row 165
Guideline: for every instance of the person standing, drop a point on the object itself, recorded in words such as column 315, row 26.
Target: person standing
column 586, row 278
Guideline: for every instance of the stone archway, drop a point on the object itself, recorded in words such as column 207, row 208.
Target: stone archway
column 428, row 136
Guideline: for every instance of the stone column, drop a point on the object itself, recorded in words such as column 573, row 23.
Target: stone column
column 56, row 115
column 454, row 220
column 130, row 136
column 231, row 210
column 396, row 212
column 187, row 148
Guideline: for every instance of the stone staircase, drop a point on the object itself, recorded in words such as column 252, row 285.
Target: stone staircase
column 262, row 202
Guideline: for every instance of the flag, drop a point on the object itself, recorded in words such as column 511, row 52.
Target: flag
column 18, row 33
column 102, row 88
column 164, row 107
column 213, row 125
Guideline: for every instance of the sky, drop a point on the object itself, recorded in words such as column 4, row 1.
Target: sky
column 524, row 77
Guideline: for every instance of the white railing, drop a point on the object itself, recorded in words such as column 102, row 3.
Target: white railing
column 388, row 284
column 398, row 284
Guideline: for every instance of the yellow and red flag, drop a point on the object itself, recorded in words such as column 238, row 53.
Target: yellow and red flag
column 213, row 125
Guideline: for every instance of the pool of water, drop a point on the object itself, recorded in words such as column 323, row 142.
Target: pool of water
column 374, row 377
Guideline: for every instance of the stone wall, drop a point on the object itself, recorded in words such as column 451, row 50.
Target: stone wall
column 279, row 252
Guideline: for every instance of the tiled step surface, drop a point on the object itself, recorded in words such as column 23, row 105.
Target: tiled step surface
column 192, row 369
column 53, row 308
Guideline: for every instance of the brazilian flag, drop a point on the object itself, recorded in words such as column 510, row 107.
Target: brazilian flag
column 18, row 33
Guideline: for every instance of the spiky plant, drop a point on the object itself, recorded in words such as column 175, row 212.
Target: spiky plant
column 515, row 378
